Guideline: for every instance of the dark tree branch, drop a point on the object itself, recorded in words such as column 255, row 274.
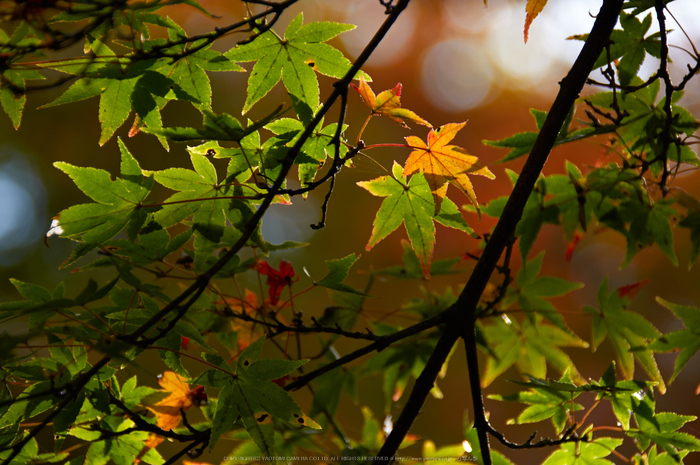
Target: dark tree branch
column 567, row 436
column 324, row 208
column 276, row 328
column 143, row 425
column 669, row 89
column 420, row 392
column 378, row 346
column 462, row 314
column 187, row 450
column 70, row 396
column 507, row 279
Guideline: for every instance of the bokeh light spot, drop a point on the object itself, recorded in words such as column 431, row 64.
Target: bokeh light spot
column 464, row 16
column 524, row 64
column 22, row 204
column 368, row 16
column 456, row 76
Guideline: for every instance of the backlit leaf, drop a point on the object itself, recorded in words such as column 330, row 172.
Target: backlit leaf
column 441, row 163
column 410, row 203
column 685, row 341
column 533, row 8
column 118, row 204
column 339, row 270
column 388, row 104
column 626, row 330
column 292, row 59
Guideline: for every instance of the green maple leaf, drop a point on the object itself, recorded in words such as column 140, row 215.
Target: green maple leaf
column 251, row 395
column 12, row 97
column 215, row 127
column 399, row 364
column 115, row 81
column 150, row 247
column 533, row 290
column 529, row 346
column 118, row 203
column 626, row 330
column 314, row 151
column 569, row 197
column 546, row 399
column 619, row 393
column 692, row 222
column 292, row 59
column 537, row 212
column 661, row 428
column 629, row 46
column 144, row 86
column 643, row 119
column 250, row 157
column 209, row 202
column 412, row 204
column 584, row 453
column 412, row 269
column 339, row 270
column 521, row 143
column 132, row 395
column 189, row 72
column 687, row 341
column 651, row 223
column 664, row 458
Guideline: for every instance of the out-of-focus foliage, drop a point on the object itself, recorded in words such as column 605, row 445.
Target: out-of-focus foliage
column 70, row 371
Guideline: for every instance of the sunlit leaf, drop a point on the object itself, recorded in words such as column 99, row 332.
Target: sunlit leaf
column 441, row 163
column 292, row 59
column 533, row 8
column 388, row 104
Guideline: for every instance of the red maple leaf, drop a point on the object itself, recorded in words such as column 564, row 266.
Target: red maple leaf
column 277, row 279
column 388, row 104
column 631, row 290
column 282, row 381
column 571, row 246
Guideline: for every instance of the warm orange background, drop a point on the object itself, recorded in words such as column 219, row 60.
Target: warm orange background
column 457, row 61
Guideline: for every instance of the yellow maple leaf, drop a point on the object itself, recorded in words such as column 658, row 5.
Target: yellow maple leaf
column 249, row 332
column 532, row 9
column 442, row 164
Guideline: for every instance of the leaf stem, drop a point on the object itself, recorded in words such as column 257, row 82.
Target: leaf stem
column 362, row 129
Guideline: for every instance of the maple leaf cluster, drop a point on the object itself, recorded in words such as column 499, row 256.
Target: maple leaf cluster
column 440, row 163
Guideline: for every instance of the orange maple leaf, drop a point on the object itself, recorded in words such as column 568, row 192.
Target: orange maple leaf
column 250, row 332
column 167, row 410
column 532, row 9
column 388, row 104
column 442, row 163
column 247, row 332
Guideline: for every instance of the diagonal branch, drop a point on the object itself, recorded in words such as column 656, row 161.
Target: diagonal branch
column 462, row 314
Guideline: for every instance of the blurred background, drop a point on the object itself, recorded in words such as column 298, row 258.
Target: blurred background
column 458, row 61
